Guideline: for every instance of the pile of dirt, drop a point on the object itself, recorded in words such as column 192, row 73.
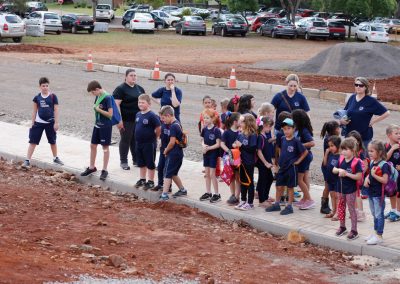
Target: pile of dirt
column 355, row 59
column 29, row 48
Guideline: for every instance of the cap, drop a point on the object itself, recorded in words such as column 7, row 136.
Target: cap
column 288, row 121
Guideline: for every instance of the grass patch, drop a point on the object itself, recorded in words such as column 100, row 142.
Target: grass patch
column 69, row 8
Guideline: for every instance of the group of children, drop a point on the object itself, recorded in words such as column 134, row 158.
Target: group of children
column 240, row 141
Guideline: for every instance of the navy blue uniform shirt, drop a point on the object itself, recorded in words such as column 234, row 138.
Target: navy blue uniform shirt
column 395, row 158
column 229, row 136
column 101, row 120
column 176, row 131
column 164, row 136
column 165, row 96
column 145, row 125
column 332, row 162
column 210, row 137
column 291, row 150
column 347, row 185
column 266, row 147
column 248, row 148
column 46, row 106
column 375, row 187
column 305, row 136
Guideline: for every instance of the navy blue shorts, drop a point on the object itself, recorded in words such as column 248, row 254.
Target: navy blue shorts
column 332, row 186
column 287, row 177
column 146, row 155
column 172, row 166
column 36, row 132
column 305, row 164
column 210, row 160
column 324, row 172
column 102, row 136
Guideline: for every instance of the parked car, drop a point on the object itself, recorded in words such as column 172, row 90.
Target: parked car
column 11, row 26
column 347, row 24
column 168, row 9
column 104, row 12
column 229, row 24
column 128, row 15
column 278, row 27
column 75, row 23
column 142, row 22
column 391, row 25
column 337, row 30
column 305, row 12
column 372, row 32
column 256, row 26
column 191, row 24
column 250, row 17
column 169, row 19
column 50, row 20
column 143, row 8
column 33, row 6
column 313, row 29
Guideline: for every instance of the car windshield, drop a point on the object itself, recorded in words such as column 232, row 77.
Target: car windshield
column 377, row 29
column 194, row 18
column 234, row 19
column 12, row 19
column 319, row 24
column 285, row 22
column 396, row 22
column 51, row 16
column 84, row 18
column 103, row 7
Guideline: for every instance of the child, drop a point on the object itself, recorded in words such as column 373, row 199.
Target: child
column 247, row 143
column 329, row 129
column 246, row 105
column 292, row 154
column 173, row 154
column 164, row 137
column 331, row 160
column 147, row 131
column 207, row 104
column 224, row 109
column 347, row 186
column 44, row 118
column 211, row 139
column 228, row 138
column 214, row 104
column 102, row 129
column 266, row 109
column 265, row 154
column 377, row 178
column 393, row 155
column 233, row 104
column 305, row 135
column 363, row 157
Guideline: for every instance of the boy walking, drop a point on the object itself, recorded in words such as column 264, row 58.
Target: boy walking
column 173, row 154
column 44, row 118
column 147, row 131
column 102, row 129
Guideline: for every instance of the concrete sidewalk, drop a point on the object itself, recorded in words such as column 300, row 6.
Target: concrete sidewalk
column 318, row 230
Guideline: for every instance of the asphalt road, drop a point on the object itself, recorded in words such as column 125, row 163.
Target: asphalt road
column 19, row 84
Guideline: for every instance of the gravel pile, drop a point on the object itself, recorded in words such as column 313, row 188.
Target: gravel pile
column 370, row 60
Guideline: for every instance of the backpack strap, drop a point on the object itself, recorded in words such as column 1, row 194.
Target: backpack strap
column 354, row 164
column 341, row 159
column 286, row 101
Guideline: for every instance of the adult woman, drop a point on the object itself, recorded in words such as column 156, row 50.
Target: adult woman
column 169, row 95
column 126, row 96
column 361, row 108
column 289, row 99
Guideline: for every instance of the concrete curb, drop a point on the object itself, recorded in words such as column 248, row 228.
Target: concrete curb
column 270, row 89
column 225, row 213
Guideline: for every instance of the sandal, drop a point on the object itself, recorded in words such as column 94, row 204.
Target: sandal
column 335, row 218
column 330, row 215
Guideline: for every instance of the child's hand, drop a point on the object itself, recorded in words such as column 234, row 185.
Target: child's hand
column 373, row 171
column 96, row 108
column 172, row 86
column 395, row 146
column 366, row 181
column 55, row 127
column 120, row 126
column 205, row 149
column 275, row 169
column 238, row 144
column 342, row 172
column 165, row 152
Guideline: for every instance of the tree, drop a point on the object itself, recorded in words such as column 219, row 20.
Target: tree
column 291, row 7
column 383, row 7
column 242, row 5
column 398, row 9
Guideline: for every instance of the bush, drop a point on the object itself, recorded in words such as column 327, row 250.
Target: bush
column 186, row 12
column 89, row 6
column 77, row 5
column 83, row 4
column 203, row 15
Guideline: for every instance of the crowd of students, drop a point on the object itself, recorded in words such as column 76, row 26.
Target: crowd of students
column 278, row 141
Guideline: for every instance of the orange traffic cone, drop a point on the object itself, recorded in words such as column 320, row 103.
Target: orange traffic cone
column 155, row 74
column 374, row 92
column 232, row 83
column 89, row 64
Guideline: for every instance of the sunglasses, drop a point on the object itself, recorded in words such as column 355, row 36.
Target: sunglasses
column 359, row 85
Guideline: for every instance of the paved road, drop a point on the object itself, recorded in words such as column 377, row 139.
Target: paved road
column 20, row 83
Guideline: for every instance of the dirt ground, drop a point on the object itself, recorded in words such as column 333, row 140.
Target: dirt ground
column 54, row 229
column 211, row 56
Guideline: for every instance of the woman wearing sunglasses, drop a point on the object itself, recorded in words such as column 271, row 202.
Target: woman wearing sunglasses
column 363, row 111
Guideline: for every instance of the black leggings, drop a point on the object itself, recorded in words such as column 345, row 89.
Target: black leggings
column 265, row 180
column 127, row 142
column 246, row 178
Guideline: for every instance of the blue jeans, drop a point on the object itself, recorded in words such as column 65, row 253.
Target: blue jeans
column 377, row 206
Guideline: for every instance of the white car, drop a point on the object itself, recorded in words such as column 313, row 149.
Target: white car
column 142, row 22
column 50, row 20
column 169, row 19
column 373, row 32
column 11, row 26
column 104, row 12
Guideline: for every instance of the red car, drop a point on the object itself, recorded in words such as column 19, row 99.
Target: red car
column 336, row 30
column 255, row 27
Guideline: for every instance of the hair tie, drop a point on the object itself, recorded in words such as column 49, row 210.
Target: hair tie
column 259, row 121
column 228, row 113
column 235, row 99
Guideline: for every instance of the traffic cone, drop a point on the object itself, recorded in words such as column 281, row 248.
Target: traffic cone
column 89, row 63
column 155, row 74
column 374, row 92
column 232, row 83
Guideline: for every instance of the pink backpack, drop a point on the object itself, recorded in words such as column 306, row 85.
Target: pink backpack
column 354, row 162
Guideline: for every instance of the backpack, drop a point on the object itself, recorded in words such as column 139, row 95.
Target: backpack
column 359, row 183
column 390, row 188
column 185, row 139
column 234, row 158
column 116, row 117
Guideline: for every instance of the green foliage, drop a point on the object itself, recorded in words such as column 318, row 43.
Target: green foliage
column 83, row 4
column 242, row 5
column 383, row 8
column 155, row 3
column 186, row 12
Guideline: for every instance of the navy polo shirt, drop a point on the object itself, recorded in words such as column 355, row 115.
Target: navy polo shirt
column 248, row 148
column 164, row 135
column 210, row 135
column 266, row 147
column 223, row 117
column 395, row 158
column 176, row 131
column 279, row 136
column 165, row 96
column 375, row 187
column 326, row 144
column 291, row 151
column 360, row 114
column 347, row 185
column 332, row 162
column 298, row 101
column 46, row 106
column 229, row 136
column 101, row 120
column 146, row 123
column 305, row 136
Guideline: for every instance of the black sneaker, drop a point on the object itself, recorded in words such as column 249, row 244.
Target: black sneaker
column 157, row 188
column 352, row 235
column 103, row 175
column 148, row 185
column 57, row 161
column 179, row 193
column 341, row 231
column 215, row 198
column 140, row 183
column 233, row 200
column 206, row 196
column 88, row 171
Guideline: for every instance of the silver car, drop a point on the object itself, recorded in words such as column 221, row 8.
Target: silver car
column 11, row 26
column 313, row 29
column 50, row 20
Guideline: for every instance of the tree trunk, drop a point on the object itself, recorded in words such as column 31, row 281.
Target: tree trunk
column 398, row 9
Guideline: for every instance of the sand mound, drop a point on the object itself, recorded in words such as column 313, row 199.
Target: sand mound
column 370, row 60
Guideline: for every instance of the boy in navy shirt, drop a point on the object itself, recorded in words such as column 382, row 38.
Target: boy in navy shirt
column 44, row 118
column 393, row 155
column 292, row 154
column 173, row 154
column 147, row 131
column 102, row 129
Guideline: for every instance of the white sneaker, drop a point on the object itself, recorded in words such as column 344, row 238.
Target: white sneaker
column 239, row 206
column 369, row 237
column 374, row 240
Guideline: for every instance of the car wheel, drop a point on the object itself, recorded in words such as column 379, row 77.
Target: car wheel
column 132, row 31
column 307, row 36
column 258, row 30
column 58, row 32
column 73, row 30
column 17, row 39
column 243, row 34
column 213, row 31
column 90, row 31
column 223, row 33
column 273, row 34
column 173, row 24
column 356, row 37
column 203, row 33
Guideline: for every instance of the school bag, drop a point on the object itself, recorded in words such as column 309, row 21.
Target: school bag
column 116, row 117
column 185, row 139
column 359, row 183
column 227, row 174
column 390, row 188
